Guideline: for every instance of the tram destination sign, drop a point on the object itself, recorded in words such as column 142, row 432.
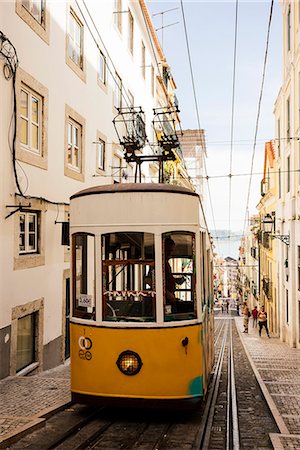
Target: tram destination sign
column 85, row 300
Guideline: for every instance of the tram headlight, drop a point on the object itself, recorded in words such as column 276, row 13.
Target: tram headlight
column 129, row 363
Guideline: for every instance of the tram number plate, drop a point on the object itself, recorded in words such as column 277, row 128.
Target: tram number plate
column 85, row 301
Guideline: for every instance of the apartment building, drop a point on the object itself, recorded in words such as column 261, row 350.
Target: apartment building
column 286, row 224
column 67, row 70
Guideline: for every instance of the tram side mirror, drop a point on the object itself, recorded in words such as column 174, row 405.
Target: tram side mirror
column 65, row 233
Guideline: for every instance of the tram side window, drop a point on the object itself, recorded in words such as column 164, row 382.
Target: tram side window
column 84, row 276
column 179, row 276
column 128, row 277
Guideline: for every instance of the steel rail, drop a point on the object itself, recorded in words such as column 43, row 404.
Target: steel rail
column 203, row 436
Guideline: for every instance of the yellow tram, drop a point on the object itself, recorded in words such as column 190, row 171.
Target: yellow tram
column 142, row 303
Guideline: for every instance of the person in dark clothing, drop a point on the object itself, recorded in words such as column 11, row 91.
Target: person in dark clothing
column 262, row 320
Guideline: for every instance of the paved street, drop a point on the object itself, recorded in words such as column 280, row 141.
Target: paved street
column 24, row 401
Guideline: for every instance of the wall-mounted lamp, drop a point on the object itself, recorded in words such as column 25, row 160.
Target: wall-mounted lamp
column 269, row 225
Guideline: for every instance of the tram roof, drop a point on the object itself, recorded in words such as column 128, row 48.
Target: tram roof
column 134, row 187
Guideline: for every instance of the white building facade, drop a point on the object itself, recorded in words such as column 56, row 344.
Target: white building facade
column 77, row 63
column 287, row 154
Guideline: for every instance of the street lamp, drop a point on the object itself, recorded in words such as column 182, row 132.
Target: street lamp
column 269, row 226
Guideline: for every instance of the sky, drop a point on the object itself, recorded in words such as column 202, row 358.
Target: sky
column 211, row 34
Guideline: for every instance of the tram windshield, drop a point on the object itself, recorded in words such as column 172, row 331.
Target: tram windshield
column 179, row 276
column 128, row 277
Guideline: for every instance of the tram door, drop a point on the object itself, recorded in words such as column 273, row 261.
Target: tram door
column 67, row 318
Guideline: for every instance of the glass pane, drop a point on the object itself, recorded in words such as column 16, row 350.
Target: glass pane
column 69, row 154
column 76, row 157
column 24, row 132
column 101, row 155
column 22, row 223
column 24, row 103
column 179, row 276
column 34, row 110
column 69, row 133
column 22, row 242
column 128, row 277
column 84, row 271
column 35, row 137
column 36, row 9
column 25, row 341
column 32, row 222
column 75, row 136
column 31, row 242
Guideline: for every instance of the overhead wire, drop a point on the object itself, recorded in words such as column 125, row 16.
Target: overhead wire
column 197, row 109
column 232, row 112
column 258, row 114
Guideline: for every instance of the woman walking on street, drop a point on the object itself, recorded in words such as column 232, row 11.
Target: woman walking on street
column 246, row 317
column 262, row 320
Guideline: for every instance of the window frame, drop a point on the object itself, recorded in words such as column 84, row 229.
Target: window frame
column 42, row 29
column 118, row 88
column 26, row 214
column 102, row 67
column 31, row 94
column 117, row 14
column 76, row 120
column 130, row 32
column 33, row 88
column 78, row 67
column 101, row 143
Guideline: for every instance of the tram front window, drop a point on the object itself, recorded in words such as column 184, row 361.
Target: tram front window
column 128, row 277
column 179, row 276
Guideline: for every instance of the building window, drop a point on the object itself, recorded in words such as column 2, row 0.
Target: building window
column 31, row 120
column 288, row 168
column 143, row 59
column 75, row 47
column 35, row 8
column 26, row 341
column 118, row 15
column 74, row 145
column 289, row 29
column 100, row 154
column 117, row 169
column 152, row 81
column 32, row 126
column 130, row 31
column 102, row 68
column 34, row 14
column 28, row 237
column 288, row 114
column 118, row 92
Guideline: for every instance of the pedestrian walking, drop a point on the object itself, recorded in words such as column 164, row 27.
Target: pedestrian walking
column 238, row 308
column 246, row 314
column 262, row 318
column 254, row 316
column 227, row 305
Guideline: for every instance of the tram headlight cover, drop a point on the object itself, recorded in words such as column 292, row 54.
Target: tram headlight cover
column 129, row 363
